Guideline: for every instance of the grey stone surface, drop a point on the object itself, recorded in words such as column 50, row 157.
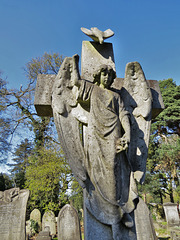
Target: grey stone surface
column 12, row 214
column 42, row 98
column 171, row 213
column 36, row 216
column 93, row 55
column 68, row 224
column 94, row 229
column 144, row 223
column 28, row 228
column 48, row 220
column 175, row 233
column 157, row 103
column 44, row 235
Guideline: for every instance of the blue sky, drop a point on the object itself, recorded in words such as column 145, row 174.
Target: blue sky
column 147, row 31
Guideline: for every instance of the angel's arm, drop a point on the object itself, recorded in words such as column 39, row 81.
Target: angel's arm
column 123, row 142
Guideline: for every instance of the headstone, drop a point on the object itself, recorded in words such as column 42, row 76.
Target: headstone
column 144, row 223
column 48, row 220
column 13, row 213
column 171, row 213
column 44, row 235
column 36, row 216
column 68, row 224
column 28, row 229
column 175, row 234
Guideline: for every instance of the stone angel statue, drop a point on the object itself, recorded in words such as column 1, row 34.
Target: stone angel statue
column 103, row 154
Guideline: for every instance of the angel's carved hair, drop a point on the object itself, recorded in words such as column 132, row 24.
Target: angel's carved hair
column 104, row 67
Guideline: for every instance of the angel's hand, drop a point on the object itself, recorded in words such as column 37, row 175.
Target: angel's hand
column 122, row 143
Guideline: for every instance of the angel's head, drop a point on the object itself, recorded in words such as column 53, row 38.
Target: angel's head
column 104, row 76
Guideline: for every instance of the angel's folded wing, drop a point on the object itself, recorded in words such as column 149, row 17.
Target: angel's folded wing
column 63, row 101
column 137, row 99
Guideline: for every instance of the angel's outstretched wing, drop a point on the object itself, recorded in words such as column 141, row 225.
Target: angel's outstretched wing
column 64, row 103
column 137, row 99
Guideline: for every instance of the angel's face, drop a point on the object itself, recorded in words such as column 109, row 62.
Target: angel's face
column 106, row 78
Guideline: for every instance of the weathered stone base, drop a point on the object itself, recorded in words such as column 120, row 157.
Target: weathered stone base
column 143, row 229
column 94, row 229
column 44, row 235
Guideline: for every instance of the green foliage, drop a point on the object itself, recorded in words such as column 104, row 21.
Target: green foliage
column 169, row 119
column 164, row 149
column 17, row 112
column 47, row 178
column 21, row 154
column 77, row 197
column 5, row 182
column 34, row 226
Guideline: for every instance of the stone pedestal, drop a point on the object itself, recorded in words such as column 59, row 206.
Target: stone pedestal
column 44, row 235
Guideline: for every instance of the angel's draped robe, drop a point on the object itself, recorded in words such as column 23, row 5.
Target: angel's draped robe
column 109, row 193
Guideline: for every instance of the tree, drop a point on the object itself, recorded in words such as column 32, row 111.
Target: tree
column 168, row 162
column 18, row 103
column 164, row 149
column 168, row 121
column 77, row 197
column 48, row 177
column 5, row 127
column 18, row 168
column 5, row 182
column 37, row 165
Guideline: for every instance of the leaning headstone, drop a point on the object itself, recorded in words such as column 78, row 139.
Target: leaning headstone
column 36, row 216
column 171, row 213
column 49, row 220
column 68, row 224
column 144, row 223
column 13, row 213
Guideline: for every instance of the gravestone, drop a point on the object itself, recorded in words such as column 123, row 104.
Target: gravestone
column 144, row 223
column 28, row 229
column 44, row 235
column 171, row 213
column 68, row 224
column 49, row 220
column 13, row 213
column 36, row 216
